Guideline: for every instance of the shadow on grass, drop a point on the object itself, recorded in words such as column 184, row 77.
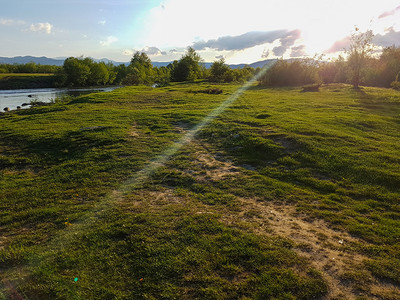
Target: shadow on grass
column 72, row 145
column 40, row 110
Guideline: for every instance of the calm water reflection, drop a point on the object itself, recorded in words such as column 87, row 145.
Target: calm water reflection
column 14, row 98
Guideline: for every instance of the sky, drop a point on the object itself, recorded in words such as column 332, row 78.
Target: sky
column 242, row 31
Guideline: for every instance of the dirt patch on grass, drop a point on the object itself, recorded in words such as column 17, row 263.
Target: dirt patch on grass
column 329, row 250
column 133, row 132
column 2, row 242
column 216, row 167
column 325, row 248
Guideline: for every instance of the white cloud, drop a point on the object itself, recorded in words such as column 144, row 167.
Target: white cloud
column 110, row 39
column 9, row 22
column 102, row 22
column 41, row 27
column 389, row 13
column 153, row 51
column 243, row 41
column 321, row 22
column 127, row 52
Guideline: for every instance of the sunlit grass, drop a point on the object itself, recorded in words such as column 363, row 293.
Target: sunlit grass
column 333, row 154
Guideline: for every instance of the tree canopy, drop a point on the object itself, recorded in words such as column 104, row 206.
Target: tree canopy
column 188, row 67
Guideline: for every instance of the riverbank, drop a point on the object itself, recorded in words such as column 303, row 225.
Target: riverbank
column 12, row 99
column 14, row 81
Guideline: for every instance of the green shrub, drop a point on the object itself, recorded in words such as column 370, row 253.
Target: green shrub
column 395, row 85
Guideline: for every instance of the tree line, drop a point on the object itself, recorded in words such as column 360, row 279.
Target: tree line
column 30, row 67
column 360, row 67
column 86, row 72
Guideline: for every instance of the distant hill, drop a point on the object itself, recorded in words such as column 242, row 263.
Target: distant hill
column 258, row 64
column 60, row 61
column 26, row 59
column 47, row 61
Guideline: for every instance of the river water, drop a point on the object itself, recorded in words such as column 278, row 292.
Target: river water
column 14, row 98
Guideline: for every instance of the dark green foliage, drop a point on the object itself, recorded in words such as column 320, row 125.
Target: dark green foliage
column 28, row 68
column 214, row 91
column 334, row 71
column 395, row 85
column 218, row 71
column 187, row 68
column 139, row 71
column 27, row 81
column 85, row 72
column 291, row 73
column 76, row 72
column 389, row 69
column 162, row 76
column 311, row 88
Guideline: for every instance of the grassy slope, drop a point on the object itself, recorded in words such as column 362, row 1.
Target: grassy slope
column 64, row 212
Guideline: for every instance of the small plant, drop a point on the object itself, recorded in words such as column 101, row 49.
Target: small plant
column 311, row 88
column 395, row 85
column 214, row 91
column 61, row 99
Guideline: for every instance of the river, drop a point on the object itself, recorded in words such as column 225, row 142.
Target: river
column 14, row 98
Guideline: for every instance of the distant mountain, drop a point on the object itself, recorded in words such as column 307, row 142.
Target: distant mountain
column 60, row 61
column 26, row 59
column 258, row 64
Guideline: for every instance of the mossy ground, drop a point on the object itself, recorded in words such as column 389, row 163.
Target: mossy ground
column 284, row 195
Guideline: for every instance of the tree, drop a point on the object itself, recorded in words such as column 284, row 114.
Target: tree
column 76, row 71
column 390, row 60
column 162, row 75
column 99, row 74
column 140, row 70
column 291, row 73
column 218, row 70
column 360, row 50
column 187, row 68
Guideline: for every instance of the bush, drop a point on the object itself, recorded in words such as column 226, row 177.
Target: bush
column 214, row 91
column 311, row 88
column 291, row 73
column 395, row 85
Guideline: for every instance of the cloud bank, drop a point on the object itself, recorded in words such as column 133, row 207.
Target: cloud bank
column 339, row 45
column 298, row 51
column 8, row 22
column 389, row 13
column 390, row 38
column 154, row 51
column 241, row 42
column 109, row 40
column 41, row 27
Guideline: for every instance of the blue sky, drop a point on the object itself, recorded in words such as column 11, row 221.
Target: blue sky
column 241, row 31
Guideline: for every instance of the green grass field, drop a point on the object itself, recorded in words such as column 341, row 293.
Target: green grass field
column 285, row 195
